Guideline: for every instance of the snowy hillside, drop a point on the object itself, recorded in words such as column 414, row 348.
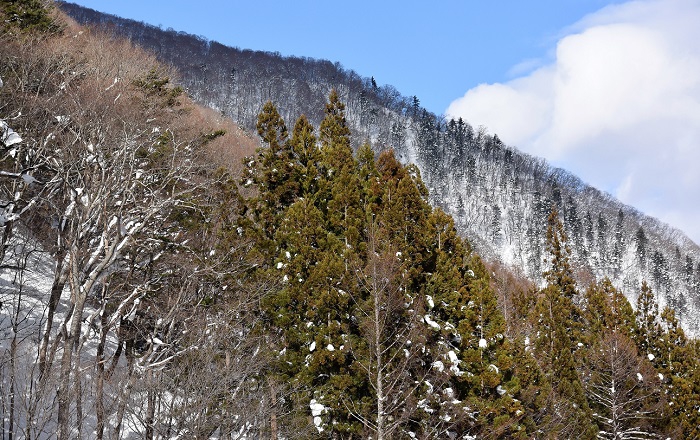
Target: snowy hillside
column 499, row 197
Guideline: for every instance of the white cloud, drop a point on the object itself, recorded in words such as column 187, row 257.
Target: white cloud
column 619, row 106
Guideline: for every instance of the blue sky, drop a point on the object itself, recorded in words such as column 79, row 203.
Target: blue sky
column 434, row 50
column 609, row 90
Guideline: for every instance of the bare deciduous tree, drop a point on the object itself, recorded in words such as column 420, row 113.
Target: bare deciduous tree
column 623, row 389
column 392, row 336
column 106, row 178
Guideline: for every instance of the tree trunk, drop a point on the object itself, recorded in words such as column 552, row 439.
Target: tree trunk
column 71, row 339
column 378, row 353
column 13, row 344
column 13, row 354
column 150, row 406
column 273, row 410
column 99, row 387
column 124, row 394
column 78, row 399
column 56, row 289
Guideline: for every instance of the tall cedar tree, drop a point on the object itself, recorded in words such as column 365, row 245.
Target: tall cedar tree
column 647, row 331
column 661, row 340
column 560, row 331
column 606, row 308
column 679, row 365
column 273, row 176
column 311, row 257
column 307, row 155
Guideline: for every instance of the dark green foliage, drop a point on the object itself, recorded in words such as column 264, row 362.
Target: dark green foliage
column 307, row 156
column 678, row 365
column 335, row 136
column 606, row 308
column 559, row 273
column 28, row 16
column 213, row 135
column 560, row 334
column 647, row 330
column 346, row 335
column 158, row 87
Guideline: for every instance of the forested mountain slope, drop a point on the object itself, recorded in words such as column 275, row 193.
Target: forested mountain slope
column 498, row 196
column 150, row 289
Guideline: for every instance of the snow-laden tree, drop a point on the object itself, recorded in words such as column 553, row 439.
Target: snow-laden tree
column 559, row 331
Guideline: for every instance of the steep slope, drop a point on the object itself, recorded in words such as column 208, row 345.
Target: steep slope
column 108, row 178
column 499, row 197
column 142, row 295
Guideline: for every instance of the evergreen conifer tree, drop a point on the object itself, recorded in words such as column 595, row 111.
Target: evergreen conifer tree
column 271, row 171
column 307, row 156
column 385, row 320
column 679, row 367
column 28, row 16
column 560, row 332
column 335, row 136
column 647, row 329
column 606, row 308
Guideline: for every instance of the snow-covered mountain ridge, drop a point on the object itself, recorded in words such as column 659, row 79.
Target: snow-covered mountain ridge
column 498, row 196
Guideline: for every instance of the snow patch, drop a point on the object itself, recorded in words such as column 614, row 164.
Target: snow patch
column 7, row 135
column 453, row 357
column 423, row 404
column 316, row 410
column 28, row 179
column 428, row 320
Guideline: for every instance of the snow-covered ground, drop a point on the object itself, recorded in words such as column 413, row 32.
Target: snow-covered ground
column 26, row 279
